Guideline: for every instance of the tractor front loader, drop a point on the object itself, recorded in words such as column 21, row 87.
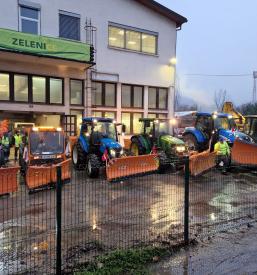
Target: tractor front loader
column 155, row 138
column 98, row 146
column 45, row 151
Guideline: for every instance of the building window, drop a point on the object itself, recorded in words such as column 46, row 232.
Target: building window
column 21, row 88
column 4, row 86
column 39, row 89
column 132, row 96
column 79, row 116
column 103, row 94
column 69, row 25
column 132, row 39
column 56, row 91
column 158, row 98
column 160, row 116
column 76, row 92
column 29, row 20
column 104, row 114
column 131, row 120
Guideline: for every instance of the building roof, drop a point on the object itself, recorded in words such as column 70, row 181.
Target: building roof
column 157, row 7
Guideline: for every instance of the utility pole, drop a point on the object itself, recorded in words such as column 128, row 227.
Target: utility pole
column 254, row 86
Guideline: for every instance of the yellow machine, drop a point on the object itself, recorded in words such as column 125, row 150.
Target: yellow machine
column 239, row 119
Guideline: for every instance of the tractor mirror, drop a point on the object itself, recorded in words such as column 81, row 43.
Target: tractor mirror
column 123, row 128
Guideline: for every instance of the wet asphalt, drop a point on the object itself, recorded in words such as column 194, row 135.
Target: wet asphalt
column 98, row 216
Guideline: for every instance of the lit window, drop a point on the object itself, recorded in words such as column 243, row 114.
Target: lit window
column 131, row 120
column 39, row 89
column 4, row 87
column 56, row 89
column 76, row 92
column 21, row 88
column 133, row 41
column 104, row 114
column 116, row 37
column 149, row 43
column 29, row 20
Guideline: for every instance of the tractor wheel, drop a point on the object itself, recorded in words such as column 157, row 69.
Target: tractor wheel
column 92, row 166
column 136, row 148
column 78, row 157
column 164, row 163
column 191, row 142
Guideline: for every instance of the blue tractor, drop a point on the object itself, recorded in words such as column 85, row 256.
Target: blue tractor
column 209, row 126
column 97, row 142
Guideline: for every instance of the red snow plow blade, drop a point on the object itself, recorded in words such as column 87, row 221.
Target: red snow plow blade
column 201, row 162
column 244, row 153
column 130, row 166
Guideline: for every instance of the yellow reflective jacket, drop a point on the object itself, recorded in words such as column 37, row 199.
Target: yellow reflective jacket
column 222, row 149
column 18, row 140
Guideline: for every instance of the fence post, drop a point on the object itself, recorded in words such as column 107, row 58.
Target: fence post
column 59, row 221
column 186, row 202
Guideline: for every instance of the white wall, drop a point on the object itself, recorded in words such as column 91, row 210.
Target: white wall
column 134, row 68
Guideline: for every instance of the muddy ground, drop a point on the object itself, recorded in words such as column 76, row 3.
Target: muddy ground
column 98, row 216
column 229, row 252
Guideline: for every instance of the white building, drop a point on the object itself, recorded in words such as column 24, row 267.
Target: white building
column 133, row 77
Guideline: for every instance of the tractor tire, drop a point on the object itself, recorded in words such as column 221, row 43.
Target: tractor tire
column 92, row 166
column 191, row 142
column 164, row 162
column 136, row 148
column 78, row 157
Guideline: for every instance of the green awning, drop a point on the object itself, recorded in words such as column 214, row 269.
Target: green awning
column 45, row 46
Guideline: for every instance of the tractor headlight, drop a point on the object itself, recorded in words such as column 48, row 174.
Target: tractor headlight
column 121, row 152
column 112, row 153
column 181, row 149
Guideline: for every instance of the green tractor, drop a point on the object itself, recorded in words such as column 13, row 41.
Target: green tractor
column 155, row 138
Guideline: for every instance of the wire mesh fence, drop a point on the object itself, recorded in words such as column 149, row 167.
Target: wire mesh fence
column 98, row 216
column 222, row 198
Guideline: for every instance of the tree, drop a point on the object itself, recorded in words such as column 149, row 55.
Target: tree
column 220, row 97
column 248, row 109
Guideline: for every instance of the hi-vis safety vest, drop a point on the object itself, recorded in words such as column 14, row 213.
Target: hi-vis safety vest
column 18, row 140
column 5, row 141
column 222, row 149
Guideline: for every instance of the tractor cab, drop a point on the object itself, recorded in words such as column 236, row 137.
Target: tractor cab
column 154, row 127
column 46, row 144
column 250, row 127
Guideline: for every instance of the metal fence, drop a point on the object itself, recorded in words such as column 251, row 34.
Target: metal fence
column 58, row 228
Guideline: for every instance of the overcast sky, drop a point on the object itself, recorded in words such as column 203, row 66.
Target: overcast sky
column 219, row 38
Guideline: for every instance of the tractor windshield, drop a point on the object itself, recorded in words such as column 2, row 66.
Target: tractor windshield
column 105, row 129
column 162, row 127
column 224, row 123
column 46, row 143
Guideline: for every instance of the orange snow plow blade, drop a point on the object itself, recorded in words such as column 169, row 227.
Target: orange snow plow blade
column 130, row 166
column 66, row 171
column 8, row 180
column 244, row 153
column 201, row 162
column 40, row 176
